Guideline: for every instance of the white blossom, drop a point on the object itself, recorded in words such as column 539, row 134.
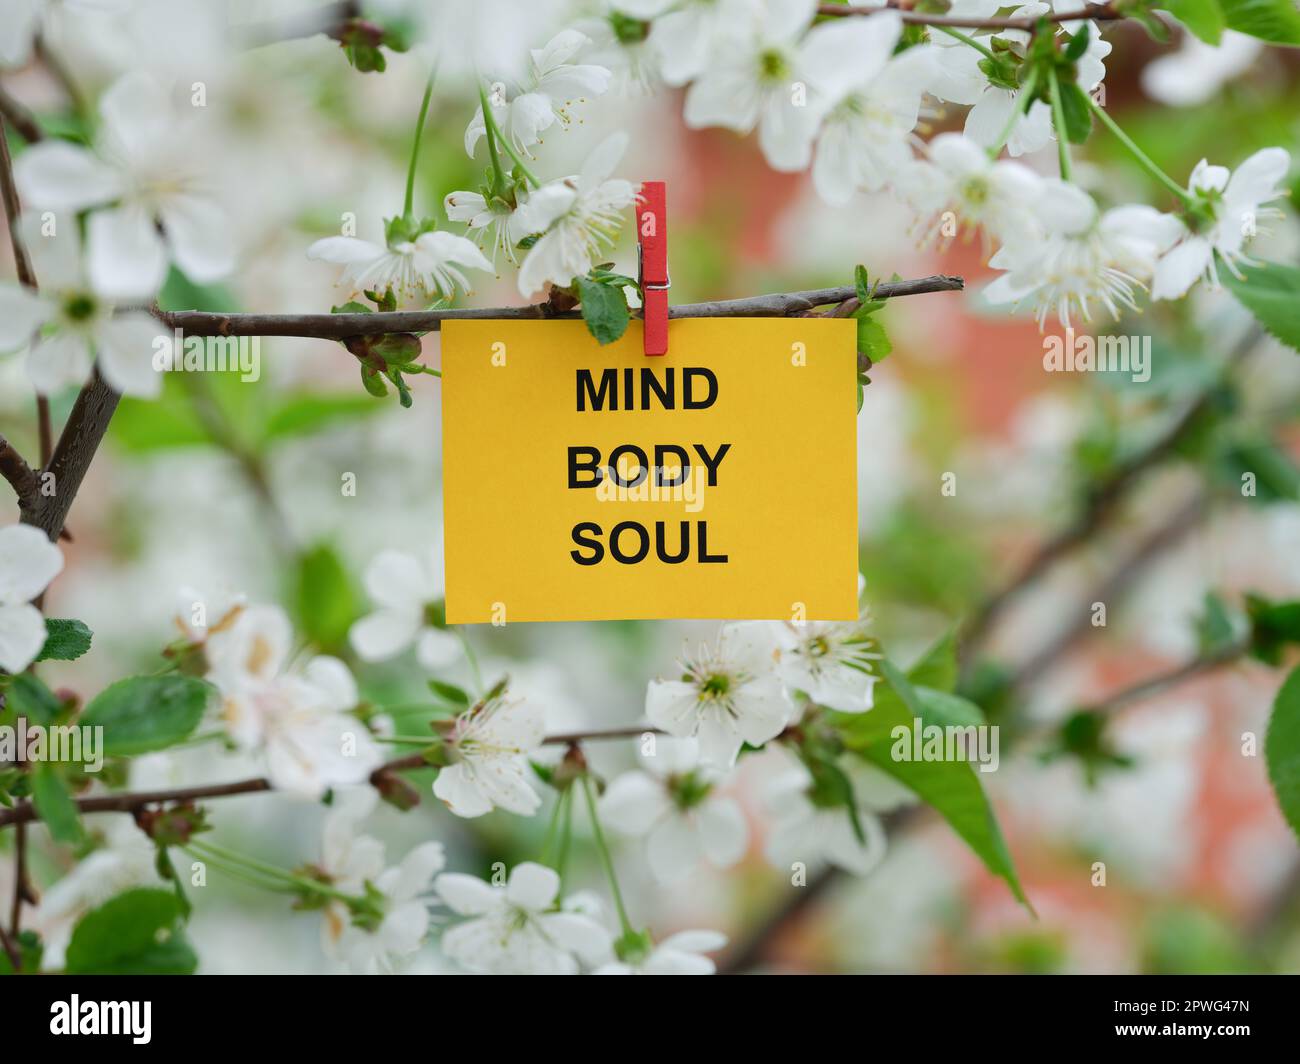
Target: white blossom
column 354, row 862
column 957, row 175
column 832, row 662
column 1197, row 71
column 553, row 84
column 489, row 746
column 577, row 217
column 428, row 267
column 675, row 804
column 517, row 929
column 1070, row 257
column 404, row 588
column 1229, row 207
column 296, row 719
column 729, row 696
column 679, row 954
column 150, row 165
column 812, row 830
column 28, row 562
column 70, row 323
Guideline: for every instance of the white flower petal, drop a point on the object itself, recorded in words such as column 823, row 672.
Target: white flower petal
column 21, row 314
column 58, row 361
column 383, row 634
column 127, row 258
column 22, row 634
column 64, row 177
column 723, row 831
column 199, row 235
column 532, row 886
column 126, row 353
column 466, row 895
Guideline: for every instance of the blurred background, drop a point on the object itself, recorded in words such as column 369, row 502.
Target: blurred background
column 229, row 485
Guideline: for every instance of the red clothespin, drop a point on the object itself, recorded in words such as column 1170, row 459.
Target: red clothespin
column 652, row 264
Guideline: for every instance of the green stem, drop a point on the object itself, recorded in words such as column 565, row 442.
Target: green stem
column 566, row 831
column 472, row 659
column 239, row 872
column 1022, row 104
column 490, row 128
column 415, row 145
column 407, row 740
column 1058, row 120
column 966, row 39
column 494, row 134
column 1144, row 160
column 552, row 825
column 603, row 849
column 292, row 883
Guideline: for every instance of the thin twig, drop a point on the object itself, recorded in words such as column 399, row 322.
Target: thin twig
column 1120, row 582
column 128, row 802
column 342, row 326
column 14, row 468
column 1095, row 12
column 22, row 120
column 1103, row 498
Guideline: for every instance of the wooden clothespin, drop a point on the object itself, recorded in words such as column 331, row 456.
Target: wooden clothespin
column 652, row 264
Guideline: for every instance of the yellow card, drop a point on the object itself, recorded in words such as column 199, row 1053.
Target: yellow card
column 583, row 482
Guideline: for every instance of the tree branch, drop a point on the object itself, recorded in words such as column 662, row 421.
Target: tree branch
column 23, row 121
column 1094, row 12
column 131, row 801
column 342, row 326
column 1103, row 497
column 22, row 478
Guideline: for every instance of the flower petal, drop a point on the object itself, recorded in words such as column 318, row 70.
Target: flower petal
column 532, row 886
column 22, row 634
column 467, row 895
column 126, row 354
column 60, row 176
column 127, row 257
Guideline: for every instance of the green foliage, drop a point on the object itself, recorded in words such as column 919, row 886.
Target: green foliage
column 1275, row 21
column 26, row 695
column 1271, row 292
column 1082, row 735
column 1192, row 942
column 1076, row 111
column 55, row 804
column 65, row 640
column 1203, row 17
column 302, row 415
column 362, row 41
column 145, row 713
column 952, row 788
column 450, row 693
column 30, row 950
column 1276, row 477
column 1273, row 626
column 136, row 933
column 604, row 307
column 1282, row 749
column 324, row 600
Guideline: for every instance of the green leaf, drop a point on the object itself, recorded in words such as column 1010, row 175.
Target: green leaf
column 30, row 950
column 26, row 695
column 136, row 933
column 55, row 803
column 604, row 309
column 145, row 713
column 1271, row 292
column 1276, row 476
column 1282, row 749
column 937, row 667
column 305, row 414
column 951, row 787
column 65, row 640
column 1077, row 112
column 873, row 341
column 449, row 692
column 1079, row 44
column 1276, row 21
column 141, row 426
column 325, row 603
column 1203, row 17
column 1273, row 626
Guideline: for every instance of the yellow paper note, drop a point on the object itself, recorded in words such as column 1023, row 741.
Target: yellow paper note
column 583, row 482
